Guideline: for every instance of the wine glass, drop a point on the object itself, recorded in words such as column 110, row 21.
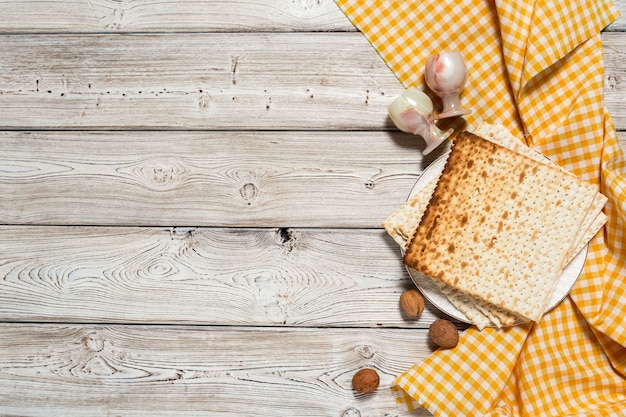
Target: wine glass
column 446, row 75
column 412, row 112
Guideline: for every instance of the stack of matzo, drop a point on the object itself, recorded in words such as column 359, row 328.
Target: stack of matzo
column 496, row 228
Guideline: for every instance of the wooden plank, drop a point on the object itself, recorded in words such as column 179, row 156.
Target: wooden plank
column 235, row 179
column 614, row 48
column 78, row 16
column 266, row 277
column 284, row 81
column 303, row 179
column 162, row 371
column 194, row 81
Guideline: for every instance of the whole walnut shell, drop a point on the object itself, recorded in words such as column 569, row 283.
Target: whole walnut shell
column 412, row 303
column 366, row 380
column 444, row 333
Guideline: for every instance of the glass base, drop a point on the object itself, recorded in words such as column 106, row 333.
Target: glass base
column 452, row 113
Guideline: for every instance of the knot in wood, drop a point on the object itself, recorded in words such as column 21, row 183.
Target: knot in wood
column 287, row 239
column 94, row 342
column 351, row 412
column 612, row 81
column 249, row 191
column 182, row 240
column 160, row 268
column 204, row 101
column 366, row 351
column 161, row 174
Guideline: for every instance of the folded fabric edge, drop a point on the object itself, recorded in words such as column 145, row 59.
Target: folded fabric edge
column 405, row 396
column 603, row 317
column 479, row 375
column 542, row 54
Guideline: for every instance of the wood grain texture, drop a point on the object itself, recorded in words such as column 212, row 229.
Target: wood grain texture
column 81, row 16
column 215, row 81
column 264, row 277
column 58, row 370
column 613, row 46
column 194, row 81
column 293, row 179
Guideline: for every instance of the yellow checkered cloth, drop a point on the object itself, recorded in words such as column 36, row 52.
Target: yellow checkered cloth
column 537, row 68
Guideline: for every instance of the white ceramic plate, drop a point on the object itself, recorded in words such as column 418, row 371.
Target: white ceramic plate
column 431, row 292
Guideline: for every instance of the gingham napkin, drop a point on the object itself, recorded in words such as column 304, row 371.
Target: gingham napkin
column 537, row 68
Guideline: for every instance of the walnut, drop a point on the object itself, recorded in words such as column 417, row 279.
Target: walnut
column 366, row 380
column 412, row 303
column 443, row 333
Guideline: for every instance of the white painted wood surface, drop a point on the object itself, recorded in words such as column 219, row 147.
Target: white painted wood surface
column 191, row 197
column 215, row 178
column 221, row 276
column 66, row 370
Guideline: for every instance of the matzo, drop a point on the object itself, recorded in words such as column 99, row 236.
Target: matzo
column 594, row 220
column 403, row 222
column 499, row 226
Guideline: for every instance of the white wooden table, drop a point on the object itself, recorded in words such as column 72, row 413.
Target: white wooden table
column 191, row 199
